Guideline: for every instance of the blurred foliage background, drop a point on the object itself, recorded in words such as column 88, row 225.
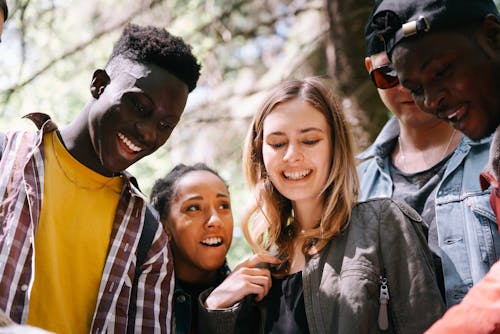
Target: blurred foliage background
column 50, row 49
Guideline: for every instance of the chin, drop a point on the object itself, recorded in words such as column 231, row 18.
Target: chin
column 116, row 167
column 212, row 267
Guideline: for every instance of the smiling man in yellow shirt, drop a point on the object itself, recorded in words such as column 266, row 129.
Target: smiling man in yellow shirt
column 72, row 218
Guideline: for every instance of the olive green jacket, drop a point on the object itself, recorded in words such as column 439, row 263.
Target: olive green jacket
column 343, row 290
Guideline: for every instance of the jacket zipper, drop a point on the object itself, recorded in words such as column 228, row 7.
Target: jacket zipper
column 383, row 318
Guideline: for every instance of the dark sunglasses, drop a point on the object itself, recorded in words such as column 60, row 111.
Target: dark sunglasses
column 384, row 76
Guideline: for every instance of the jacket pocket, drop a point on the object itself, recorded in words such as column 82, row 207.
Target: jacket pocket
column 367, row 291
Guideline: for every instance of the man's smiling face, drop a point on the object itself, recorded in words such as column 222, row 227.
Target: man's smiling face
column 134, row 114
column 454, row 78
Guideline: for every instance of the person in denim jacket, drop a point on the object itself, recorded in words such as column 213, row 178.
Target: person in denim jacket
column 424, row 161
column 447, row 54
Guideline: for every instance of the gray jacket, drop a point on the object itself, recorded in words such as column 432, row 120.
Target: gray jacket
column 342, row 284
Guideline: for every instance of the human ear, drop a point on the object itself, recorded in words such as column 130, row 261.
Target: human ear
column 368, row 64
column 100, row 79
column 491, row 31
column 167, row 228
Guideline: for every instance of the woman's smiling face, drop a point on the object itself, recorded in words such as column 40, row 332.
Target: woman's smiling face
column 297, row 150
column 200, row 225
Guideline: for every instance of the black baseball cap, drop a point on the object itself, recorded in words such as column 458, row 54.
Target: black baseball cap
column 395, row 20
column 374, row 42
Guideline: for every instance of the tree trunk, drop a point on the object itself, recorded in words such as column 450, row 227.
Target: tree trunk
column 345, row 54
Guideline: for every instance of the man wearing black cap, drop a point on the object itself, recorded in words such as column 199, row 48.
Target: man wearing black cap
column 425, row 162
column 447, row 53
column 3, row 15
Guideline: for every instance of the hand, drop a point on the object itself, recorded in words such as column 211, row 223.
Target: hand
column 249, row 277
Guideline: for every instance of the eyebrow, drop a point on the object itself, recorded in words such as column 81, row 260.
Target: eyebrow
column 438, row 57
column 201, row 198
column 142, row 95
column 281, row 133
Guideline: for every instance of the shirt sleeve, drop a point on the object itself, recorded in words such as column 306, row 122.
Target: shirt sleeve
column 218, row 321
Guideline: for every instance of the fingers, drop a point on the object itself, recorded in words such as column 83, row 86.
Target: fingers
column 259, row 260
column 263, row 285
column 257, row 281
column 251, row 277
column 243, row 282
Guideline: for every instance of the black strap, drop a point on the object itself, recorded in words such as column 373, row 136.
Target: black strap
column 148, row 232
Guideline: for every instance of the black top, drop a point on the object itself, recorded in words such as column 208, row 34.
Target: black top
column 186, row 306
column 285, row 308
column 186, row 302
column 419, row 191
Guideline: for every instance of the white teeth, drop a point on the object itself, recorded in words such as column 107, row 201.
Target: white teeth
column 297, row 175
column 452, row 115
column 212, row 241
column 129, row 143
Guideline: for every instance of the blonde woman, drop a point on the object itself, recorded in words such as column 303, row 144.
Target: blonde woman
column 344, row 267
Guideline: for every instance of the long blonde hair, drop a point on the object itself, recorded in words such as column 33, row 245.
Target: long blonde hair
column 270, row 218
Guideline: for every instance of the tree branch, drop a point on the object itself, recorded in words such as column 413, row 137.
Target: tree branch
column 68, row 53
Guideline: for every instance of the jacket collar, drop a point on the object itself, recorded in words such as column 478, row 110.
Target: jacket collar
column 386, row 139
column 384, row 143
column 42, row 121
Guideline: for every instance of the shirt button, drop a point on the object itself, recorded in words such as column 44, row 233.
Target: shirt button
column 24, row 287
column 181, row 299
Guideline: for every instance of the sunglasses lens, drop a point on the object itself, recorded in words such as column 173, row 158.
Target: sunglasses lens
column 384, row 77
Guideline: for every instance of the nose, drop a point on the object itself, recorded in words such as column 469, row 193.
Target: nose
column 214, row 220
column 433, row 98
column 146, row 130
column 293, row 153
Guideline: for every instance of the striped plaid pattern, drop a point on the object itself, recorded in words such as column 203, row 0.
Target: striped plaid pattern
column 21, row 191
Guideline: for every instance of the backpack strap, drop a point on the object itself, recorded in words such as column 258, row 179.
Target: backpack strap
column 147, row 235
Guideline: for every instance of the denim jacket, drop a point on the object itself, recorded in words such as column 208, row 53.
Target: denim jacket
column 466, row 225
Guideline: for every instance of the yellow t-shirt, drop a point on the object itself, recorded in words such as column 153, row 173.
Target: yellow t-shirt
column 71, row 241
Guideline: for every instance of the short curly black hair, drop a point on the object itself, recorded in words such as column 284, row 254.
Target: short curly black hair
column 153, row 45
column 164, row 188
column 5, row 9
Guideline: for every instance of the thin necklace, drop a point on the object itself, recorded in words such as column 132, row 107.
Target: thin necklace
column 69, row 178
column 403, row 156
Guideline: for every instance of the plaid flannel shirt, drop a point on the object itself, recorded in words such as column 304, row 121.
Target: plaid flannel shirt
column 21, row 192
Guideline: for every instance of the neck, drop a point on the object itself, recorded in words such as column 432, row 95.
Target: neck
column 420, row 139
column 418, row 149
column 307, row 213
column 76, row 139
column 192, row 276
